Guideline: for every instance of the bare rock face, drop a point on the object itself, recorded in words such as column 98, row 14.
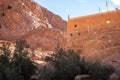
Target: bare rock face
column 25, row 19
column 54, row 20
column 47, row 39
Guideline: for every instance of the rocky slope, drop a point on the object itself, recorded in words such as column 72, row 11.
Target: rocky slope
column 109, row 56
column 54, row 19
column 25, row 19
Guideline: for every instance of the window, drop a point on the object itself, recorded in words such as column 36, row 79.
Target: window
column 3, row 14
column 75, row 26
column 9, row 7
column 71, row 34
column 0, row 26
column 78, row 33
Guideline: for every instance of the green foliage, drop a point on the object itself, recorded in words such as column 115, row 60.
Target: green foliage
column 47, row 73
column 62, row 66
column 65, row 65
column 99, row 71
column 17, row 66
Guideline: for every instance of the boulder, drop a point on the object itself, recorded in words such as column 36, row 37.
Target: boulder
column 84, row 77
column 114, row 76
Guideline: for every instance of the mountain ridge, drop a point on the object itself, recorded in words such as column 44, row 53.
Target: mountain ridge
column 20, row 18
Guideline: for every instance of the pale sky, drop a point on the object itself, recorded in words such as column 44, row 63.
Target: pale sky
column 76, row 8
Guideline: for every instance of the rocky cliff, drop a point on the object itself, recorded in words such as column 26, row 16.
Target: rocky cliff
column 54, row 19
column 25, row 19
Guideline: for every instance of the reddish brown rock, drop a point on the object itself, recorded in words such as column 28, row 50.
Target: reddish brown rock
column 114, row 77
column 25, row 19
column 48, row 39
column 84, row 77
column 54, row 20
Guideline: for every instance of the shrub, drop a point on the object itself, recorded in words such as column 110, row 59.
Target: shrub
column 46, row 73
column 65, row 65
column 99, row 71
column 17, row 66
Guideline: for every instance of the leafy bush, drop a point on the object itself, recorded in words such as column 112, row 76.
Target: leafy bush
column 46, row 73
column 65, row 65
column 17, row 66
column 99, row 71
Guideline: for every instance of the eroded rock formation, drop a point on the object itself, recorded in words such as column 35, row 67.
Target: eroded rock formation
column 25, row 19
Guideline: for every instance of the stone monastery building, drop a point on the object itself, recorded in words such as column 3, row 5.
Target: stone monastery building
column 94, row 32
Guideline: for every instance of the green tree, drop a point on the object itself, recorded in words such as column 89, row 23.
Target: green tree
column 65, row 65
column 17, row 66
column 100, row 72
column 7, row 69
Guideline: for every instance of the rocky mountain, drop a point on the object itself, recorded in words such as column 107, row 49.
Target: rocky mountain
column 25, row 19
column 54, row 19
column 109, row 56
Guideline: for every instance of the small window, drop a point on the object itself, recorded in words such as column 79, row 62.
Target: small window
column 75, row 26
column 71, row 34
column 103, row 37
column 9, row 7
column 0, row 26
column 78, row 33
column 3, row 14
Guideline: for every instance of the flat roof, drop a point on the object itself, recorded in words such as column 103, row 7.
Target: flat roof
column 102, row 13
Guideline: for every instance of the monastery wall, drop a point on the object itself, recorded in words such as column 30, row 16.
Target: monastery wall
column 94, row 32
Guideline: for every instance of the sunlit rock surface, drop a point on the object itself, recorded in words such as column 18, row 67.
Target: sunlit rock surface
column 25, row 19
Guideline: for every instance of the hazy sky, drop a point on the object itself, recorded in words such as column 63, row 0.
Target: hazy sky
column 77, row 8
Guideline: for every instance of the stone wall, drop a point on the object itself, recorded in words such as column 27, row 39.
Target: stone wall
column 94, row 32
